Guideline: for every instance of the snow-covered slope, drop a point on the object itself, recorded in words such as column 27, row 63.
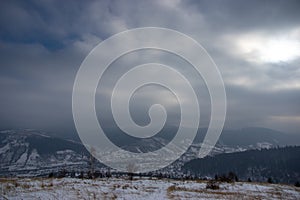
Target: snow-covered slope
column 139, row 189
column 30, row 153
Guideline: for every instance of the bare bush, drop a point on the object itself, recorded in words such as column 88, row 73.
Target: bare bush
column 212, row 184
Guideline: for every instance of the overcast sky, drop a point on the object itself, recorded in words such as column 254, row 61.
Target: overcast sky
column 255, row 44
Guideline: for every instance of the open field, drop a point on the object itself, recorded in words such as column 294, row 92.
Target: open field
column 68, row 188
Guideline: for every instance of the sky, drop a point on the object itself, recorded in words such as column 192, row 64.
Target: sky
column 255, row 44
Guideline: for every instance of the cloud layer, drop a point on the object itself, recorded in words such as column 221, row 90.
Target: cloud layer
column 256, row 45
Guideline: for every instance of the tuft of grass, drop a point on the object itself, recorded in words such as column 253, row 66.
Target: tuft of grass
column 8, row 187
column 172, row 188
column 25, row 186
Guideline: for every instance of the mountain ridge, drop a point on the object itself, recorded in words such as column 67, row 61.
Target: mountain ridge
column 23, row 151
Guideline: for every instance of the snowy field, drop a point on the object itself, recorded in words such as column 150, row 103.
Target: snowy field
column 68, row 188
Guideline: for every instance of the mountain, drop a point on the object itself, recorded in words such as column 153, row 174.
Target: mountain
column 30, row 152
column 251, row 137
column 255, row 135
column 240, row 140
column 279, row 164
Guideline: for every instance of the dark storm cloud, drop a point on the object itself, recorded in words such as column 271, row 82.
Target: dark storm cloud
column 248, row 15
column 55, row 24
column 42, row 44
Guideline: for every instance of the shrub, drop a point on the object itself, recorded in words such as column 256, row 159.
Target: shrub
column 214, row 185
column 51, row 175
column 231, row 177
column 270, row 180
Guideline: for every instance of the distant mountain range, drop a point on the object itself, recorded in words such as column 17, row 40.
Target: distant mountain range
column 31, row 152
column 278, row 165
column 252, row 136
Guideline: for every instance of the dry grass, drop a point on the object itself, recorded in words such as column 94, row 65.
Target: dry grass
column 174, row 188
column 178, row 190
column 277, row 193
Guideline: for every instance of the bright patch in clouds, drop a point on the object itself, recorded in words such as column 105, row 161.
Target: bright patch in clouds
column 279, row 50
column 269, row 49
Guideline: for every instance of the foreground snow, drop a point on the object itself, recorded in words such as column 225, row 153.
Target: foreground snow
column 68, row 188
